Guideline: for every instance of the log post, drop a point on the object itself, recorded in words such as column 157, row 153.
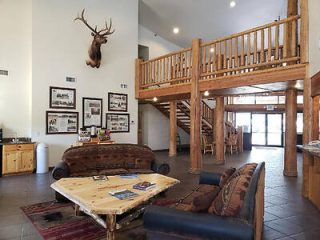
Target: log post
column 173, row 129
column 219, row 130
column 195, row 111
column 111, row 226
column 292, row 10
column 304, row 31
column 137, row 76
column 290, row 154
column 315, row 118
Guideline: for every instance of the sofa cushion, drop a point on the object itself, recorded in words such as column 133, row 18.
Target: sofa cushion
column 202, row 202
column 114, row 171
column 205, row 188
column 140, row 171
column 225, row 176
column 87, row 173
column 246, row 169
column 231, row 197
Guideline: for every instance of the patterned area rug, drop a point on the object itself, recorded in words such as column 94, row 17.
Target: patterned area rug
column 57, row 221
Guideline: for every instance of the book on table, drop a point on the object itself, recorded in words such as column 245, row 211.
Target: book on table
column 144, row 185
column 100, row 177
column 129, row 175
column 123, row 194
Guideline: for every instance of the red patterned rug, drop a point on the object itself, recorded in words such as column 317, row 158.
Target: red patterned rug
column 56, row 221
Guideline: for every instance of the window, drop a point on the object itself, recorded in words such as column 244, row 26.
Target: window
column 244, row 119
column 266, row 99
column 243, row 100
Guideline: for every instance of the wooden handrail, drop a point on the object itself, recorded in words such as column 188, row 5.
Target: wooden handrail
column 289, row 19
column 167, row 55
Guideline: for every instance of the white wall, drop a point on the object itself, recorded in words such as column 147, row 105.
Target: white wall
column 155, row 125
column 156, row 131
column 60, row 49
column 314, row 36
column 15, row 56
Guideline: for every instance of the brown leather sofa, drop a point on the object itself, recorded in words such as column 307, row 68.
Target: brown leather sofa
column 108, row 159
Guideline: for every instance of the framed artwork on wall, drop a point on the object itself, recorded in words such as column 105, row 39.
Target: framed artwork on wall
column 62, row 97
column 92, row 112
column 61, row 122
column 117, row 102
column 118, row 122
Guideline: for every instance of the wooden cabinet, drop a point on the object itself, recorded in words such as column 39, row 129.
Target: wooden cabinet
column 17, row 158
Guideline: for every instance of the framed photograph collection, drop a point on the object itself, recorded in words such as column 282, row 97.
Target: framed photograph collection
column 117, row 102
column 67, row 122
column 118, row 122
column 92, row 112
column 61, row 122
column 62, row 98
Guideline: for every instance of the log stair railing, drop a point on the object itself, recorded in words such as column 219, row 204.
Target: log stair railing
column 271, row 46
column 183, row 115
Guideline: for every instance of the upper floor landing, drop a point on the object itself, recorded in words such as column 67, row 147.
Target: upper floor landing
column 265, row 58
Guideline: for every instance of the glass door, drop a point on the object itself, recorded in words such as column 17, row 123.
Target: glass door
column 258, row 129
column 274, row 129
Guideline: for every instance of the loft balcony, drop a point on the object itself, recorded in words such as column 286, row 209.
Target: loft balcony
column 265, row 58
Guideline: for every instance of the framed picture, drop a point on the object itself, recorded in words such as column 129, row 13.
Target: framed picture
column 61, row 122
column 62, row 97
column 117, row 102
column 91, row 112
column 118, row 122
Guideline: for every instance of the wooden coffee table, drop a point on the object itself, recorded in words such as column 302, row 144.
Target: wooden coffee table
column 93, row 198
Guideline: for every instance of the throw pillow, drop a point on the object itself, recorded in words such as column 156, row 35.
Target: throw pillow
column 202, row 202
column 231, row 197
column 246, row 169
column 225, row 176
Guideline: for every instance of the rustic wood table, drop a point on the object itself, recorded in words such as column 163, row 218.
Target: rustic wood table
column 93, row 198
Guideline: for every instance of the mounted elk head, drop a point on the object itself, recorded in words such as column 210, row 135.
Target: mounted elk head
column 99, row 37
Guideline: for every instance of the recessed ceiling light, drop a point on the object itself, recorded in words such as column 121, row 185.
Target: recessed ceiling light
column 232, row 4
column 206, row 93
column 155, row 99
column 212, row 49
column 176, row 30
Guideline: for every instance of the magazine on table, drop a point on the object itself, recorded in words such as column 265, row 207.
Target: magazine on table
column 144, row 186
column 123, row 194
column 129, row 176
column 100, row 178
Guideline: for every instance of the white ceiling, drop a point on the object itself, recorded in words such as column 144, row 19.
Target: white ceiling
column 206, row 19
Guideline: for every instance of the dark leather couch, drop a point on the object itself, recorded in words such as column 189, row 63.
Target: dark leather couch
column 178, row 223
column 108, row 159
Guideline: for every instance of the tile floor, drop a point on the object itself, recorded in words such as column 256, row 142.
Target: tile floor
column 287, row 214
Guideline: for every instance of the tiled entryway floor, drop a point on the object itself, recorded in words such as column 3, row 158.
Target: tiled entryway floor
column 287, row 214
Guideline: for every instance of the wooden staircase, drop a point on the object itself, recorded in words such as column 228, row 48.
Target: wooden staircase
column 183, row 115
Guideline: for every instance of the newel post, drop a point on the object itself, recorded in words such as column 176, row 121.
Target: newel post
column 195, row 110
column 137, row 76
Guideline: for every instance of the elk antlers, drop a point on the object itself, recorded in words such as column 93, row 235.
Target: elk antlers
column 99, row 37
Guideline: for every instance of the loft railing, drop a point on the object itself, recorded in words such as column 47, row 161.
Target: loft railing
column 263, row 47
column 170, row 69
column 272, row 45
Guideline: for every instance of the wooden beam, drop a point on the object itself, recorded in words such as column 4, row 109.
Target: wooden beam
column 304, row 31
column 137, row 77
column 258, row 108
column 307, row 129
column 173, row 129
column 219, row 131
column 195, row 111
column 315, row 117
column 290, row 156
column 292, row 72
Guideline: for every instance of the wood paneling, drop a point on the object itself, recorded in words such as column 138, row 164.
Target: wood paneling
column 315, row 85
column 315, row 118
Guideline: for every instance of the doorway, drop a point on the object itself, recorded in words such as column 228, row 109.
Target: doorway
column 267, row 129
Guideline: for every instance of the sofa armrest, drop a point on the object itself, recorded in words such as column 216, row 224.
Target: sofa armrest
column 203, row 225
column 210, row 178
column 61, row 170
column 160, row 167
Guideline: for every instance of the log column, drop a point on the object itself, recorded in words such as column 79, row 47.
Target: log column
column 195, row 111
column 292, row 10
column 290, row 153
column 219, row 130
column 315, row 118
column 173, row 129
column 307, row 101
